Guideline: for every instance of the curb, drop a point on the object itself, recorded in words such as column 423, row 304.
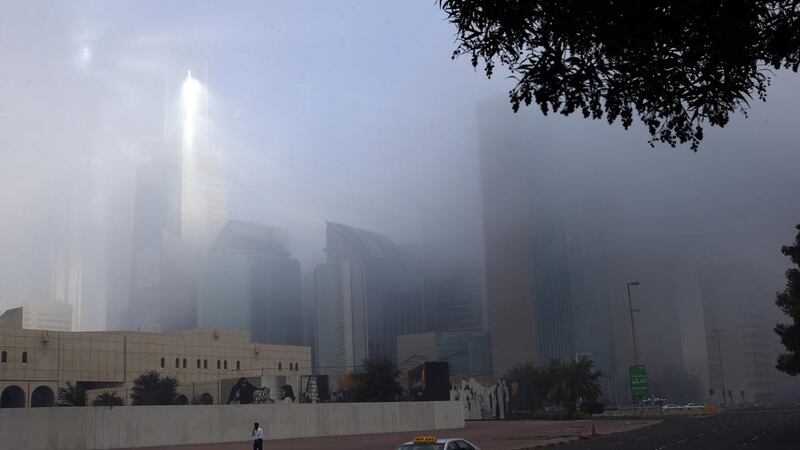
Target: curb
column 572, row 439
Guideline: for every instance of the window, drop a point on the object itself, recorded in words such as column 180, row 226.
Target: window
column 205, row 364
column 184, row 363
column 237, row 365
column 3, row 356
column 162, row 363
column 279, row 366
column 225, row 365
column 177, row 363
column 218, row 365
column 24, row 357
column 198, row 363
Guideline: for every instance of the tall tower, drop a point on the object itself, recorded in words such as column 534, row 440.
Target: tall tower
column 180, row 207
column 203, row 205
column 527, row 276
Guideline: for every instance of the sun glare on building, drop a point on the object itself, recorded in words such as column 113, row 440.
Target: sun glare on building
column 191, row 91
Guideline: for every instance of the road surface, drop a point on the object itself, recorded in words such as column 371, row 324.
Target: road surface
column 743, row 430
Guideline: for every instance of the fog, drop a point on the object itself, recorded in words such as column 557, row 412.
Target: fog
column 351, row 112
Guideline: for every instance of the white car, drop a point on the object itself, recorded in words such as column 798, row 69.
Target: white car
column 432, row 443
column 694, row 406
column 671, row 407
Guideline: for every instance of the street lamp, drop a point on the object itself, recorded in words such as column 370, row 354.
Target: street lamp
column 633, row 327
column 717, row 331
column 633, row 333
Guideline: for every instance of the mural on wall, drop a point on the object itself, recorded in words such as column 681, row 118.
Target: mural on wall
column 246, row 391
column 260, row 390
column 314, row 389
column 491, row 399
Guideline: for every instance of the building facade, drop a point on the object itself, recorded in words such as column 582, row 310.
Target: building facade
column 34, row 364
column 527, row 276
column 368, row 293
column 741, row 346
column 251, row 282
column 55, row 316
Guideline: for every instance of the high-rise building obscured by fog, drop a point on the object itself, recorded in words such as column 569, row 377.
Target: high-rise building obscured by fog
column 368, row 293
column 179, row 209
column 738, row 309
column 455, row 300
column 527, row 274
column 251, row 282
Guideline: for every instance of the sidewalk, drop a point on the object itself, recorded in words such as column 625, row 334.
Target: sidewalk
column 488, row 435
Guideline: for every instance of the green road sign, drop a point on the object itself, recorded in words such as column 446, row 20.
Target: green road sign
column 638, row 375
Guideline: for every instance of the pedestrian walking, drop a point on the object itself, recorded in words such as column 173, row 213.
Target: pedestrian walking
column 258, row 437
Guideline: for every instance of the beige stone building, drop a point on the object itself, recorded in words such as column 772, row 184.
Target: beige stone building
column 35, row 363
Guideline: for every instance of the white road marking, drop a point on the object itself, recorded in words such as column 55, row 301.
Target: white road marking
column 683, row 440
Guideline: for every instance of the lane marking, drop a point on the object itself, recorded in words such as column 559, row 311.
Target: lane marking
column 683, row 440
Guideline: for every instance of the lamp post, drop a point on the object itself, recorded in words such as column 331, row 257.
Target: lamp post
column 717, row 331
column 633, row 334
column 633, row 327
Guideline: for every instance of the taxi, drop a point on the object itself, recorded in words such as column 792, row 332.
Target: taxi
column 432, row 443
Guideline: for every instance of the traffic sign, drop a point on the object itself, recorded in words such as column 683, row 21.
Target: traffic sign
column 638, row 377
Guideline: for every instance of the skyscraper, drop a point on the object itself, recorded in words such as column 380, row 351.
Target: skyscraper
column 527, row 275
column 179, row 209
column 250, row 281
column 741, row 346
column 368, row 293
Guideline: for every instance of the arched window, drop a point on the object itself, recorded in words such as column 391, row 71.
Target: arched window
column 218, row 365
column 163, row 363
column 184, row 363
column 237, row 365
column 42, row 396
column 198, row 363
column 24, row 357
column 177, row 363
column 3, row 356
column 280, row 366
column 205, row 364
column 225, row 364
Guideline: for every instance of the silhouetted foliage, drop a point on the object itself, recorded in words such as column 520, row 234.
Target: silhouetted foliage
column 150, row 388
column 573, row 381
column 536, row 378
column 560, row 383
column 677, row 64
column 71, row 395
column 377, row 380
column 789, row 302
column 108, row 399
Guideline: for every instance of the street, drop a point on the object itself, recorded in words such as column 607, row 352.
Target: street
column 769, row 430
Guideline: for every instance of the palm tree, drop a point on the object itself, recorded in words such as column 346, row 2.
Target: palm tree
column 71, row 395
column 573, row 381
column 377, row 380
column 537, row 379
column 150, row 388
column 108, row 398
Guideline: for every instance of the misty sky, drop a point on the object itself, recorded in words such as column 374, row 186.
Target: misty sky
column 349, row 111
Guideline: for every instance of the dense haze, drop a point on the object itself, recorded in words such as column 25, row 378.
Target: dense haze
column 351, row 112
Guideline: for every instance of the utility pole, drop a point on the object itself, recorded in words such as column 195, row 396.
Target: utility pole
column 717, row 331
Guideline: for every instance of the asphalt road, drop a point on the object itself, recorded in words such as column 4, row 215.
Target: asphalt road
column 748, row 430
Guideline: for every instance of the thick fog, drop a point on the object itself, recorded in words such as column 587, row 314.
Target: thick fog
column 352, row 112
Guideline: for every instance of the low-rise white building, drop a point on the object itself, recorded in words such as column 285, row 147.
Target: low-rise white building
column 34, row 364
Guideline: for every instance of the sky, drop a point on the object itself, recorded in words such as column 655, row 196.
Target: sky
column 347, row 111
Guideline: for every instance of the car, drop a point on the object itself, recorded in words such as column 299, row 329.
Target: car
column 671, row 407
column 694, row 406
column 433, row 443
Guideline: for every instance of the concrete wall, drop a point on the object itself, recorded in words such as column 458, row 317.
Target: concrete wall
column 143, row 426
